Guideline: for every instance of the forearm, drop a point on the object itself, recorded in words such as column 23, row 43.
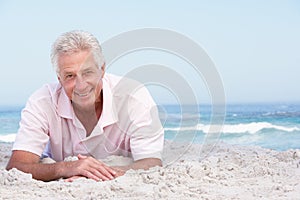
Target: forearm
column 39, row 171
column 142, row 164
column 86, row 166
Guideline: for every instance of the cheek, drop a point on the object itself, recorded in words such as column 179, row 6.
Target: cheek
column 68, row 89
column 70, row 94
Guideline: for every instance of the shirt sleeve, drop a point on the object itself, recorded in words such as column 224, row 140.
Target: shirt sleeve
column 147, row 133
column 32, row 135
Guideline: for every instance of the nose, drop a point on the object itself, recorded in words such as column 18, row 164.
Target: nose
column 80, row 83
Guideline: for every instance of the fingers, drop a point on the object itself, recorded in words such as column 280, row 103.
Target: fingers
column 94, row 169
column 98, row 175
column 119, row 172
column 71, row 179
column 104, row 172
column 80, row 157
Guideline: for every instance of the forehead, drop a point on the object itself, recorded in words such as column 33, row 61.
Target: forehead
column 77, row 60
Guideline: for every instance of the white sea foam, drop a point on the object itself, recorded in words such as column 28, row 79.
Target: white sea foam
column 252, row 128
column 8, row 137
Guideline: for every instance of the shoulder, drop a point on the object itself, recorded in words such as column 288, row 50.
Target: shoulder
column 47, row 94
column 111, row 80
column 129, row 89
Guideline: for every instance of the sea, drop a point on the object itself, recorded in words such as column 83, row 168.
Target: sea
column 269, row 125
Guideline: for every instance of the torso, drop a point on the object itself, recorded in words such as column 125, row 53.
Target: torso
column 89, row 118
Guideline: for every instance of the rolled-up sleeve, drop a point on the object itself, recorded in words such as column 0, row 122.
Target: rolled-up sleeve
column 32, row 135
column 147, row 133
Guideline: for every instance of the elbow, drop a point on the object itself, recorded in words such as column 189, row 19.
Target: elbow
column 160, row 164
column 155, row 162
column 10, row 166
column 152, row 162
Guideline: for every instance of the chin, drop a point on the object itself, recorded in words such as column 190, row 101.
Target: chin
column 85, row 102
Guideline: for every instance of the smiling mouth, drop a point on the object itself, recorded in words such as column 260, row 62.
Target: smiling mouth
column 83, row 94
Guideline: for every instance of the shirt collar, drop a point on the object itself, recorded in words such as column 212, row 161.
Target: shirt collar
column 64, row 106
column 109, row 113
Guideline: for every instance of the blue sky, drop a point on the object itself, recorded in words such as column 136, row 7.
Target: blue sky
column 255, row 45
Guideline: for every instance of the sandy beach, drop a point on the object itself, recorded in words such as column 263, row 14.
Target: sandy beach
column 229, row 172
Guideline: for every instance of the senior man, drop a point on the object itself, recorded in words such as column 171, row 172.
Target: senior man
column 89, row 114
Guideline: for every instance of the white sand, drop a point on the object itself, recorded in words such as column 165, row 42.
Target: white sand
column 231, row 172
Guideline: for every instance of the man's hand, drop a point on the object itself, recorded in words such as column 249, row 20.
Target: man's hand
column 86, row 166
column 121, row 170
column 145, row 164
column 90, row 168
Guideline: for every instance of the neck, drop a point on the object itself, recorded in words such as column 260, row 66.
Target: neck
column 89, row 111
column 89, row 116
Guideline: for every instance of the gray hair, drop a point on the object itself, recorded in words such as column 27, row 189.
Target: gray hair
column 75, row 41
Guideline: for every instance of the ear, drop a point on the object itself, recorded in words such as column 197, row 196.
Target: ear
column 102, row 70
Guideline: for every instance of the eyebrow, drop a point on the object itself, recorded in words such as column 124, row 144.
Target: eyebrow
column 86, row 68
column 63, row 72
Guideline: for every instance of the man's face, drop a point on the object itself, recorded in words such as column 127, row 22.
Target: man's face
column 80, row 77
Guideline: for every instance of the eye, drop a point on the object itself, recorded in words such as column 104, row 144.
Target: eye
column 69, row 76
column 88, row 73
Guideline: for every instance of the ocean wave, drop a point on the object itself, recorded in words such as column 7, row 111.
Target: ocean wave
column 281, row 114
column 8, row 137
column 251, row 128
